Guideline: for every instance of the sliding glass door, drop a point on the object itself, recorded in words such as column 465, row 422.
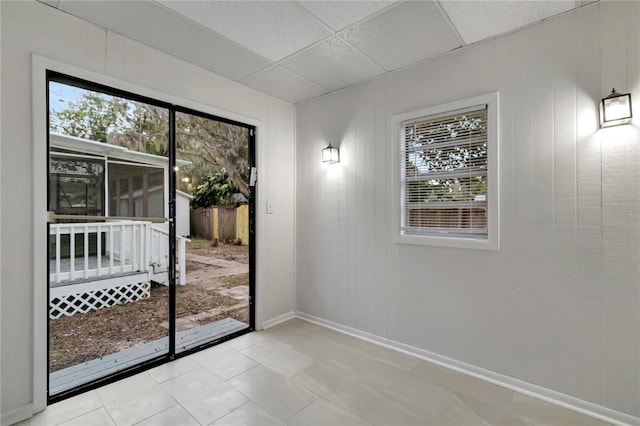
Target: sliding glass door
column 212, row 298
column 134, row 279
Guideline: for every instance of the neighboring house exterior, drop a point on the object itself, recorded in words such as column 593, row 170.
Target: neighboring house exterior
column 95, row 178
column 122, row 253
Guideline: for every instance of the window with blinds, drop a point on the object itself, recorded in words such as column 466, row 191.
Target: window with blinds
column 444, row 176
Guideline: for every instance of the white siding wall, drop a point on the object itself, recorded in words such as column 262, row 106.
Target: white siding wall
column 28, row 27
column 183, row 220
column 558, row 305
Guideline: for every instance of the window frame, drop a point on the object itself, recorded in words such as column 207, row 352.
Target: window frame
column 492, row 240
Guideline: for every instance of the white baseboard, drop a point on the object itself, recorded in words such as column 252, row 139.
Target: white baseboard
column 17, row 415
column 572, row 403
column 277, row 320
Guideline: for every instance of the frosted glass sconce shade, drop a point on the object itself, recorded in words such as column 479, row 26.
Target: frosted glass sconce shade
column 330, row 154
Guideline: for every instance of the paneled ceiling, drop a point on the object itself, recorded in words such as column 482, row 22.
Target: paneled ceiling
column 297, row 50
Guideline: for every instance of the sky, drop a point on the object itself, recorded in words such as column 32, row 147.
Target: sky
column 61, row 94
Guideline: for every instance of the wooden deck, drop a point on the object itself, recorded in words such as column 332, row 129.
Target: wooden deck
column 65, row 263
column 68, row 378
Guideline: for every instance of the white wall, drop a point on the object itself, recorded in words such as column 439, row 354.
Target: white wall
column 29, row 27
column 558, row 305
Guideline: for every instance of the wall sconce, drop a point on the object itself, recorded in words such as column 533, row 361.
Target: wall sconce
column 615, row 109
column 330, row 154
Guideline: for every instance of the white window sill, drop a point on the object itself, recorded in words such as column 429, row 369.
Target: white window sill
column 449, row 242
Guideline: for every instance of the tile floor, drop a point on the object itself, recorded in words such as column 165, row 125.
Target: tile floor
column 298, row 373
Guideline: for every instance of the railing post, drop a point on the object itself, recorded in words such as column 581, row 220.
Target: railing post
column 58, row 254
column 72, row 252
column 134, row 249
column 111, row 249
column 86, row 251
column 123, row 256
column 99, row 248
column 147, row 251
column 153, row 246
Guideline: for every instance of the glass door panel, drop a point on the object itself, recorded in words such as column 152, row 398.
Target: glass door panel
column 108, row 251
column 213, row 291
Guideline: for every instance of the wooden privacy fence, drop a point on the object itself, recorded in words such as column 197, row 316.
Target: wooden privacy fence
column 222, row 223
column 453, row 218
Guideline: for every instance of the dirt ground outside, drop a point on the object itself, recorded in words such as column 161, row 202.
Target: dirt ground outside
column 217, row 288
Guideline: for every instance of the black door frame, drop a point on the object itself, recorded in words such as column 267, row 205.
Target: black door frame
column 54, row 76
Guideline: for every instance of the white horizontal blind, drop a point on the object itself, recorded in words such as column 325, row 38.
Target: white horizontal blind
column 444, row 174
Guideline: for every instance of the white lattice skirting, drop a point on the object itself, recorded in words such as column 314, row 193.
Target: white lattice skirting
column 82, row 298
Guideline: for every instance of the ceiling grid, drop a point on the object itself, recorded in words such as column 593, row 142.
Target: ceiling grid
column 297, row 50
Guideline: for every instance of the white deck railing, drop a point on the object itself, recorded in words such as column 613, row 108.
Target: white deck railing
column 129, row 247
column 109, row 263
column 125, row 250
column 159, row 255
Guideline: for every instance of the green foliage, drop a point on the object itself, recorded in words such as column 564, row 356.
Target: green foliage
column 212, row 146
column 143, row 128
column 91, row 117
column 196, row 243
column 216, row 190
column 103, row 118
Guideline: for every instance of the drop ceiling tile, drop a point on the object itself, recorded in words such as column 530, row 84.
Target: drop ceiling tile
column 403, row 35
column 156, row 26
column 478, row 20
column 284, row 84
column 273, row 29
column 340, row 14
column 332, row 64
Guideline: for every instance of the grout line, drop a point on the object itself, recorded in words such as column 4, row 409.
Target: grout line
column 173, row 377
column 83, row 414
column 249, row 400
column 177, row 404
column 109, row 414
column 240, row 373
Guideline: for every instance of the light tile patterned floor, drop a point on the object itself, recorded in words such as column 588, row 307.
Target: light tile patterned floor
column 300, row 374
